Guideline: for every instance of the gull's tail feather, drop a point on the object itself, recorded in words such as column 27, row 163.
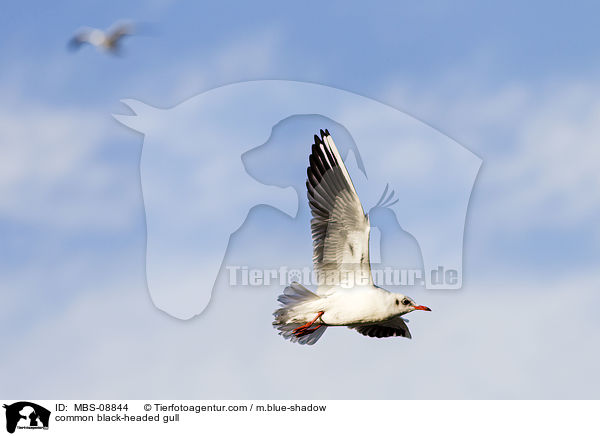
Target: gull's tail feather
column 287, row 331
column 292, row 297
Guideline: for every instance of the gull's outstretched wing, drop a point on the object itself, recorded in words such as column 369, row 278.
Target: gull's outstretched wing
column 81, row 37
column 393, row 327
column 340, row 228
column 119, row 30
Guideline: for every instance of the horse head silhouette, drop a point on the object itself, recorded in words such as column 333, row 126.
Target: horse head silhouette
column 200, row 176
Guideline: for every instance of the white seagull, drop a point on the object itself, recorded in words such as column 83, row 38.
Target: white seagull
column 105, row 40
column 346, row 295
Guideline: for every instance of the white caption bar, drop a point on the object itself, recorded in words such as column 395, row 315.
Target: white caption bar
column 275, row 417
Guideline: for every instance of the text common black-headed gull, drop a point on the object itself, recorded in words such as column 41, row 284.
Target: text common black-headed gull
column 346, row 295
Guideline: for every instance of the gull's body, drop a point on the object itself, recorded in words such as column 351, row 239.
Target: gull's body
column 346, row 295
column 108, row 40
column 344, row 306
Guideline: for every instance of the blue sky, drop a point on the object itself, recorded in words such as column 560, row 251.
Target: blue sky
column 514, row 83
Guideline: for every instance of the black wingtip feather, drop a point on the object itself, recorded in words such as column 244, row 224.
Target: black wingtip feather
column 330, row 157
column 321, row 161
column 314, row 177
column 316, row 162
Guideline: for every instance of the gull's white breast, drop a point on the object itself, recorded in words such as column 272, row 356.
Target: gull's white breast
column 355, row 306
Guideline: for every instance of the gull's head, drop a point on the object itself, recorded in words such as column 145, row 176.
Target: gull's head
column 403, row 304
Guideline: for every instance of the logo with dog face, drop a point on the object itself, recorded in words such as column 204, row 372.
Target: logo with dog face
column 26, row 415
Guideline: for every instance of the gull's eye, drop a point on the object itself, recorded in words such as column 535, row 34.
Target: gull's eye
column 406, row 302
column 397, row 302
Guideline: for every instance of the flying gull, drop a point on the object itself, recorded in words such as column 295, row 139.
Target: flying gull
column 109, row 40
column 346, row 295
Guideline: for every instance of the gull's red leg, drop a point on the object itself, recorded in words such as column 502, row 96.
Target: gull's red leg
column 307, row 331
column 304, row 329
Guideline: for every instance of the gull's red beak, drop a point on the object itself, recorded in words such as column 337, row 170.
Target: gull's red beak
column 423, row 308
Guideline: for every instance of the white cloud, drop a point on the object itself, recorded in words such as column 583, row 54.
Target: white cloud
column 52, row 170
column 558, row 161
column 501, row 342
column 251, row 58
column 538, row 143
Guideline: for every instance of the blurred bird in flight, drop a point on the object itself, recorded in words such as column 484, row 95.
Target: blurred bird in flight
column 108, row 41
column 346, row 295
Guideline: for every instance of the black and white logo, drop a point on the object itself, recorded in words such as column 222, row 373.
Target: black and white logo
column 26, row 415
